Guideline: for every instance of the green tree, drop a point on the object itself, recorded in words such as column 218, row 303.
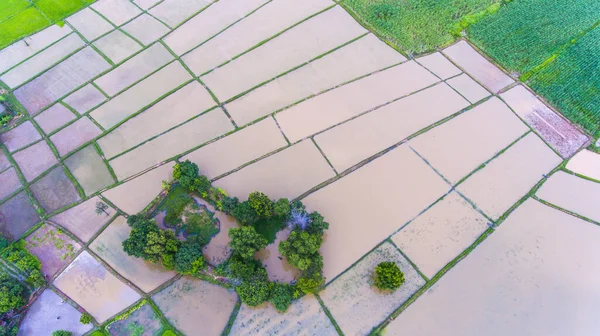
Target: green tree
column 301, row 248
column 311, row 283
column 282, row 296
column 261, row 204
column 245, row 214
column 85, row 318
column 253, row 293
column 189, row 258
column 135, row 244
column 245, row 241
column 282, row 208
column 101, row 208
column 36, row 278
column 229, row 204
column 201, row 185
column 388, row 276
column 185, row 173
column 246, row 269
column 11, row 293
column 62, row 333
column 317, row 223
column 150, row 243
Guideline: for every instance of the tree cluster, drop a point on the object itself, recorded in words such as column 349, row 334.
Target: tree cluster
column 26, row 262
column 12, row 293
column 187, row 174
column 255, row 287
column 149, row 242
column 301, row 249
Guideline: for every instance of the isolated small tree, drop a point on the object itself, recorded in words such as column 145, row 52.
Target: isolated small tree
column 85, row 318
column 101, row 208
column 388, row 276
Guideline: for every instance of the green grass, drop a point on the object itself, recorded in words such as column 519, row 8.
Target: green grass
column 21, row 25
column 415, row 26
column 202, row 225
column 20, row 18
column 57, row 10
column 571, row 82
column 523, row 34
column 9, row 8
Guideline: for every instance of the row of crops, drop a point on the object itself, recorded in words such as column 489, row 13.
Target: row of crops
column 554, row 45
column 415, row 26
column 21, row 18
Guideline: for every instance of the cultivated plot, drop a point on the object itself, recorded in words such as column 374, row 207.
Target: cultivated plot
column 385, row 194
column 441, row 233
column 196, row 306
column 108, row 246
column 304, row 317
column 356, row 304
column 83, row 220
column 134, row 195
column 54, row 190
column 53, row 248
column 507, row 178
column 460, row 145
column 143, row 321
column 572, row 193
column 18, row 216
column 50, row 312
column 526, row 269
column 94, row 288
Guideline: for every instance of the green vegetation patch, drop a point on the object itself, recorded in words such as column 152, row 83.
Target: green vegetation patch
column 524, row 34
column 20, row 18
column 21, row 25
column 415, row 26
column 9, row 8
column 572, row 82
column 57, row 10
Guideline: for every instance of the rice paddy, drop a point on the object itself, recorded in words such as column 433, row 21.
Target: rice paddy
column 415, row 26
column 21, row 18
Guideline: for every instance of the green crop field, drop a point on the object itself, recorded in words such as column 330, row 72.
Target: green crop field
column 572, row 82
column 524, row 34
column 21, row 18
column 415, row 26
